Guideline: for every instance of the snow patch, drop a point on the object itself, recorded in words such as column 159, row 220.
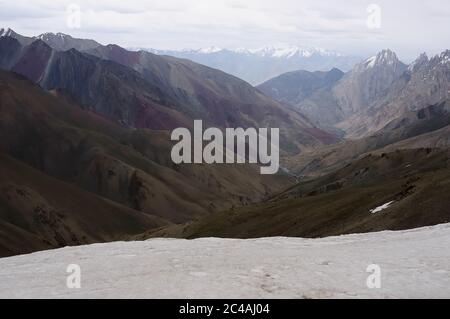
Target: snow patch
column 381, row 208
column 414, row 264
column 370, row 63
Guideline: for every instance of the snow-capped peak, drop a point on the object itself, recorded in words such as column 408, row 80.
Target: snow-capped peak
column 385, row 57
column 289, row 52
column 49, row 35
column 208, row 50
column 286, row 51
column 445, row 57
column 423, row 58
column 6, row 32
column 281, row 51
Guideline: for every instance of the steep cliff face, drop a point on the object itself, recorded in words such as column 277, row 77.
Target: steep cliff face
column 425, row 82
column 368, row 82
column 374, row 93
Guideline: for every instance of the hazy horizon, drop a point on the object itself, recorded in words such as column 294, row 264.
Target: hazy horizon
column 230, row 24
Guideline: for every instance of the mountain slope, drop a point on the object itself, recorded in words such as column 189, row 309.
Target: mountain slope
column 102, row 86
column 129, row 167
column 294, row 87
column 308, row 92
column 38, row 212
column 219, row 98
column 400, row 190
column 414, row 129
column 147, row 91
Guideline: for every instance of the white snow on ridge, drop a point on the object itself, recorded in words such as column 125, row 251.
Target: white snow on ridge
column 281, row 51
column 5, row 32
column 414, row 264
column 287, row 51
column 370, row 63
column 209, row 50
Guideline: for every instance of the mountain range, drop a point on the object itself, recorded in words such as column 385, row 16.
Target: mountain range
column 85, row 148
column 71, row 176
column 259, row 65
column 368, row 97
column 389, row 172
column 144, row 90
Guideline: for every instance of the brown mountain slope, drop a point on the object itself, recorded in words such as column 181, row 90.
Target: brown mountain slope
column 414, row 129
column 131, row 167
column 38, row 212
column 415, row 183
column 218, row 98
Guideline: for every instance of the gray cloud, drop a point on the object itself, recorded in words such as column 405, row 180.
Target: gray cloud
column 409, row 27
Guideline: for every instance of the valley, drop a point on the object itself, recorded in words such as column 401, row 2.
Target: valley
column 86, row 147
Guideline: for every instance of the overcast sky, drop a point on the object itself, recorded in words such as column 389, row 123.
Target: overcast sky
column 407, row 26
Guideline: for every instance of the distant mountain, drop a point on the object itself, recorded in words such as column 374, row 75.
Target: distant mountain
column 58, row 41
column 295, row 87
column 140, row 89
column 260, row 65
column 299, row 86
column 11, row 33
column 64, row 42
column 368, row 81
column 340, row 96
column 374, row 93
column 425, row 82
